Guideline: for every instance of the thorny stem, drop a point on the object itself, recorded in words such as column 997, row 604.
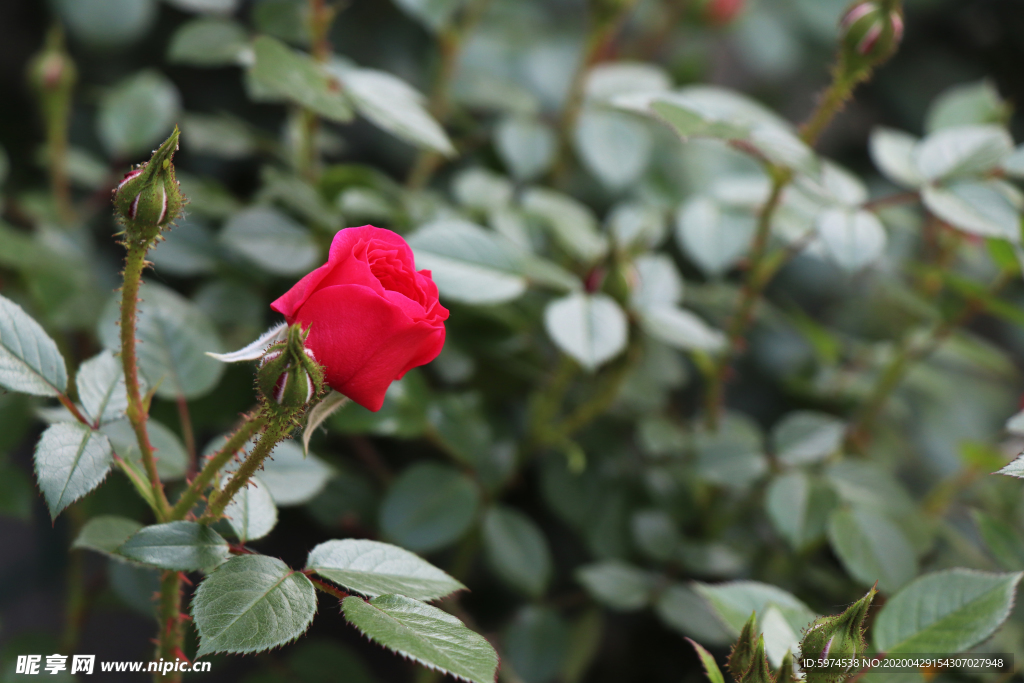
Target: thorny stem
column 763, row 266
column 830, row 103
column 450, row 44
column 135, row 262
column 322, row 585
column 215, row 463
column 321, row 16
column 171, row 632
column 909, row 353
column 277, row 428
column 600, row 39
column 755, row 283
column 70, row 405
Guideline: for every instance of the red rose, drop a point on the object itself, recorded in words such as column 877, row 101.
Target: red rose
column 371, row 316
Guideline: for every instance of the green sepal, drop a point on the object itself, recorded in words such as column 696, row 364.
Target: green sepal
column 786, row 672
column 149, row 198
column 742, row 654
column 289, row 378
column 760, row 670
column 836, row 637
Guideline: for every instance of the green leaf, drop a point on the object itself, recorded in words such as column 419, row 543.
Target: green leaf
column 137, row 114
column 108, row 23
column 106, row 533
column 280, row 72
column 681, row 329
column 615, row 147
column 707, row 660
column 171, row 457
column 607, row 80
column 394, row 105
column 734, row 601
column 188, row 249
column 252, row 603
column 962, row 151
column 526, row 146
column 29, row 359
column 434, row 14
column 592, row 328
column 1004, row 543
column 101, row 388
column 714, row 236
column 682, row 609
column 482, row 190
column 655, row 533
column 294, row 478
column 174, row 336
column 327, row 406
column 418, row 631
column 208, row 42
column 734, row 455
column 179, row 546
column 572, row 224
column 636, row 226
column 428, row 507
column 853, row 239
column 536, row 644
column 799, row 507
column 252, row 513
column 219, row 135
column 468, row 263
column 70, row 461
column 872, row 548
column 617, row 585
column 658, row 282
column 893, row 154
column 213, row 6
column 710, row 111
column 968, row 103
column 990, row 208
column 803, row 437
column 517, row 550
column 945, row 612
column 1015, row 468
column 271, row 240
column 373, row 568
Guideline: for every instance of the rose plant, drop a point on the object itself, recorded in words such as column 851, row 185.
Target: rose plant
column 632, row 357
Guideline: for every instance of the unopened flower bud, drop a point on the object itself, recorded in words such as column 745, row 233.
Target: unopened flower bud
column 51, row 71
column 837, row 637
column 742, row 654
column 289, row 376
column 870, row 33
column 760, row 671
column 149, row 198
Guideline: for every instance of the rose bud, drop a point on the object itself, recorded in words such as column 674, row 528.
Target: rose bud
column 870, row 34
column 289, row 376
column 836, row 637
column 760, row 671
column 742, row 653
column 149, row 198
column 370, row 315
column 722, row 12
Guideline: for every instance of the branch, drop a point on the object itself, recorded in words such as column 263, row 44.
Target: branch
column 216, row 462
column 135, row 262
column 278, row 427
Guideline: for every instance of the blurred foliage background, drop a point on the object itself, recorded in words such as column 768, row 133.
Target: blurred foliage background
column 578, row 549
